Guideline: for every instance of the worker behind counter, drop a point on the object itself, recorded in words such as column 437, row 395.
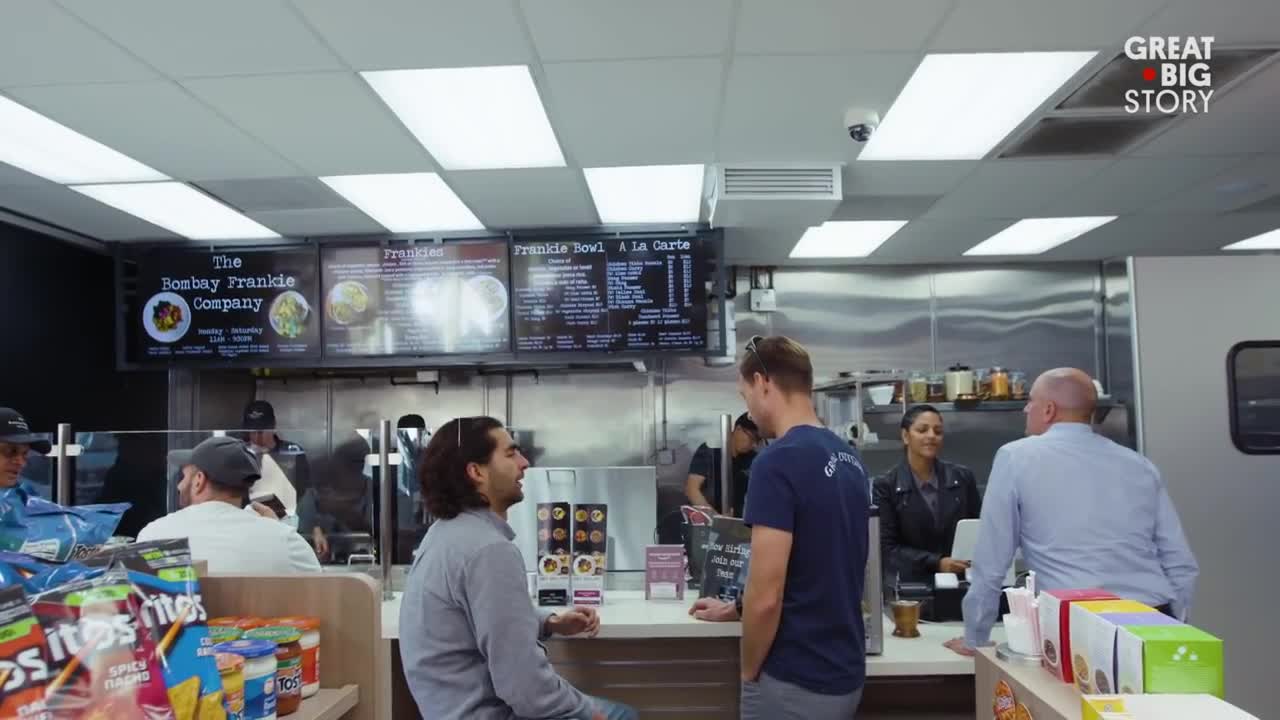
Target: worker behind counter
column 702, row 487
column 921, row 501
column 16, row 445
column 285, row 470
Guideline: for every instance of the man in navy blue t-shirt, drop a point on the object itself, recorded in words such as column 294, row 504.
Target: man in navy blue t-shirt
column 803, row 640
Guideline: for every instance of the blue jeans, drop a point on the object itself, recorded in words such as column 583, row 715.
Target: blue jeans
column 608, row 710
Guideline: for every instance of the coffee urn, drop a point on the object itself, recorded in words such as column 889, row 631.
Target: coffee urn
column 873, row 589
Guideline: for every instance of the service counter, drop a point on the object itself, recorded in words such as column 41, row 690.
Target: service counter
column 1047, row 698
column 655, row 657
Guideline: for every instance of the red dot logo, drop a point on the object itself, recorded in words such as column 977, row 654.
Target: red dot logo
column 1149, row 74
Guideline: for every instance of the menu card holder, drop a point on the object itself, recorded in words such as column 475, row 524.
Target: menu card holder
column 552, row 582
column 590, row 545
column 664, row 572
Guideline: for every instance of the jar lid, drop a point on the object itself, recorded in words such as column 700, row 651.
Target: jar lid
column 958, row 368
column 248, row 649
column 223, row 621
column 229, row 662
column 277, row 634
column 302, row 622
column 222, row 633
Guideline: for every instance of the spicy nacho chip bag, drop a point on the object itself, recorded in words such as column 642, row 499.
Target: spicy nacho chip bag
column 174, row 615
column 104, row 662
column 24, row 659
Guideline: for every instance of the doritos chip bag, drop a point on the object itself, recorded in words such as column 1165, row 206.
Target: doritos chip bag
column 174, row 615
column 104, row 663
column 48, row 531
column 24, row 659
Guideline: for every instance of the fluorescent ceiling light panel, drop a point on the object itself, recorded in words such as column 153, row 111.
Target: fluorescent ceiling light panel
column 646, row 193
column 1265, row 241
column 406, row 202
column 472, row 118
column 53, row 151
column 959, row 106
column 1036, row 235
column 845, row 238
column 179, row 208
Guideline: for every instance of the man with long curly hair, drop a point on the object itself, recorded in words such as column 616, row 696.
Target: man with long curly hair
column 470, row 638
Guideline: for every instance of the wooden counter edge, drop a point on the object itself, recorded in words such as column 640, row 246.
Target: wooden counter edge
column 329, row 704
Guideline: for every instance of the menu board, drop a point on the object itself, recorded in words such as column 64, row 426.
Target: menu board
column 226, row 305
column 427, row 299
column 611, row 295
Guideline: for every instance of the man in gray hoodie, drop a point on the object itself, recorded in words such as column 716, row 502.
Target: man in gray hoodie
column 470, row 638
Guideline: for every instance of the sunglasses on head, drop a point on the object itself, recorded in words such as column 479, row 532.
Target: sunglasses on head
column 752, row 347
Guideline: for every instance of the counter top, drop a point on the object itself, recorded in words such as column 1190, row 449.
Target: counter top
column 627, row 615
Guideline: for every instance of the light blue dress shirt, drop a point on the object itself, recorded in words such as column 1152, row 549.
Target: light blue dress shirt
column 1087, row 513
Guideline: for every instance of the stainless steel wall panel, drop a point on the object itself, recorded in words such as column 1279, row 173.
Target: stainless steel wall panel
column 1119, row 333
column 855, row 318
column 1031, row 319
column 586, row 419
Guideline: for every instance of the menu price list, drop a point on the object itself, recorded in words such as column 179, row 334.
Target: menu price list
column 431, row 299
column 198, row 305
column 609, row 295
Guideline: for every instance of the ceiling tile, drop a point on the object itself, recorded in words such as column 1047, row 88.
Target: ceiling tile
column 635, row 112
column 161, row 125
column 1240, row 121
column 10, row 175
column 1228, row 21
column 593, row 30
column 761, row 245
column 61, row 206
column 41, row 43
column 1164, row 235
column 835, row 26
column 327, row 123
column 322, row 221
column 405, row 34
column 1239, row 185
column 199, row 39
column 525, row 198
column 1005, row 25
column 1133, row 184
column 792, row 108
column 926, row 240
column 905, row 177
column 882, row 207
column 1013, row 188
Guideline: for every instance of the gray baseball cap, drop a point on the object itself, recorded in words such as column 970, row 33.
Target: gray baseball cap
column 226, row 460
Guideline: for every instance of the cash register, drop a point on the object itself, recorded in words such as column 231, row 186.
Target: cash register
column 940, row 598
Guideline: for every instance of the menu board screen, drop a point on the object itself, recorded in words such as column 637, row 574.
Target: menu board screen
column 612, row 295
column 429, row 299
column 226, row 305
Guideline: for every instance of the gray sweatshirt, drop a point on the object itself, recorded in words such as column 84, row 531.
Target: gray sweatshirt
column 469, row 635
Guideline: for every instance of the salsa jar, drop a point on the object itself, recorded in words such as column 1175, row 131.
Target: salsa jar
column 1000, row 389
column 310, row 629
column 288, row 643
column 260, row 668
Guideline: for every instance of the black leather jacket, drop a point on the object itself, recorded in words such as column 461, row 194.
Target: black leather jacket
column 911, row 541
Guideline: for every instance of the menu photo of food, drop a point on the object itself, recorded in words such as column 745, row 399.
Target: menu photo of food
column 554, row 560
column 590, row 552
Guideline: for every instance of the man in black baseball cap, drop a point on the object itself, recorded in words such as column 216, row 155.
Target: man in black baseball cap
column 213, row 493
column 16, row 441
column 286, row 473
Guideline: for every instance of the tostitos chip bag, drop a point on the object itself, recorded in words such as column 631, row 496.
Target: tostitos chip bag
column 105, row 665
column 173, row 614
column 24, row 659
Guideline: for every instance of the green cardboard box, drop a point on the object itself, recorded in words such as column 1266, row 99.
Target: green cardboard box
column 1177, row 659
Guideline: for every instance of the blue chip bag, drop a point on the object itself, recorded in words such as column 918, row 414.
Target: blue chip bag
column 37, row 576
column 48, row 531
column 174, row 614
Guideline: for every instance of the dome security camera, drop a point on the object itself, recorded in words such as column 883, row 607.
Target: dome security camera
column 861, row 123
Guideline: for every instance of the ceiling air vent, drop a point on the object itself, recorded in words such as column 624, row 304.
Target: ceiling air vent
column 778, row 194
column 1076, row 136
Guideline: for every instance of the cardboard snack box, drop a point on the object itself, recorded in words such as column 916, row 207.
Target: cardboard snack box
column 1055, row 627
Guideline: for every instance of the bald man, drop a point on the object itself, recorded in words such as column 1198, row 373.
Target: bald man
column 1086, row 512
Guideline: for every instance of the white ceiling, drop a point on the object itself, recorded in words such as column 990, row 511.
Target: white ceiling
column 253, row 99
